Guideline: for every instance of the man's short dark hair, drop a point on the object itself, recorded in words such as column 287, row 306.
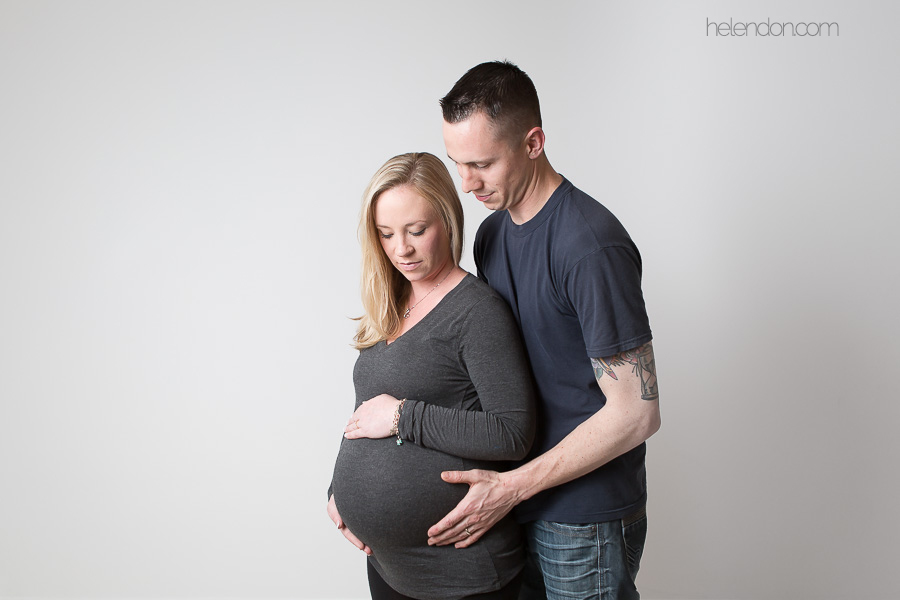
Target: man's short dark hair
column 499, row 89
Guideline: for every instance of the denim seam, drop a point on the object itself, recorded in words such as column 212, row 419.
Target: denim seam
column 600, row 569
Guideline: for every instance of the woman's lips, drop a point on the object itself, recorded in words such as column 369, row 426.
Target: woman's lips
column 409, row 266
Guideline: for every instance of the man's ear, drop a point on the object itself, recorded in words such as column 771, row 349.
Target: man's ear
column 534, row 142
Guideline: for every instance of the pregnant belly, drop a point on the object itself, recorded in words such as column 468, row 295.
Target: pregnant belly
column 389, row 495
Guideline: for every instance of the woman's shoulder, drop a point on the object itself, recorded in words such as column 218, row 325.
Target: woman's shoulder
column 472, row 289
column 477, row 300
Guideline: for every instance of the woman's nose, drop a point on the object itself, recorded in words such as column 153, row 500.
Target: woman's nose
column 403, row 247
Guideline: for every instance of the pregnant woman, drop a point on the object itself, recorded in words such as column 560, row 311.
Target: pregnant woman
column 442, row 384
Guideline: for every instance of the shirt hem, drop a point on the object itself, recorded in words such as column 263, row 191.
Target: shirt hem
column 630, row 344
column 580, row 517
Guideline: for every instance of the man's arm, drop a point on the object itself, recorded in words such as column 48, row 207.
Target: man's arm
column 630, row 417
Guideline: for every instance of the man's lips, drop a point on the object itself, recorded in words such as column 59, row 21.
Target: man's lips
column 482, row 198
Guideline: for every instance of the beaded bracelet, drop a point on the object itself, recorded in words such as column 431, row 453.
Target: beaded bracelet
column 395, row 427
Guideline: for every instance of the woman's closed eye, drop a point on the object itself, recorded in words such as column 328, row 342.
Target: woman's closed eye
column 387, row 236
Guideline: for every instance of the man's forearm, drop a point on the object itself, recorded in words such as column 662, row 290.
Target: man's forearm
column 627, row 419
column 609, row 433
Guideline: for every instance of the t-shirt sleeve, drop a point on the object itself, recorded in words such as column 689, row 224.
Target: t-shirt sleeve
column 491, row 351
column 604, row 289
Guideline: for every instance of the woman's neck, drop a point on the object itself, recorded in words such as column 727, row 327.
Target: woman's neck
column 422, row 287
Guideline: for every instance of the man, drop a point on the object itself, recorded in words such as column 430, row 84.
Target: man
column 572, row 276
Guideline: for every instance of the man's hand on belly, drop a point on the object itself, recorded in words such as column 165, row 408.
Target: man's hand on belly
column 487, row 501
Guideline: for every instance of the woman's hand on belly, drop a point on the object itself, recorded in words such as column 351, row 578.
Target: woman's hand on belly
column 333, row 514
column 373, row 419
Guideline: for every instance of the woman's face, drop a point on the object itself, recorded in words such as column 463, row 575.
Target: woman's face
column 411, row 234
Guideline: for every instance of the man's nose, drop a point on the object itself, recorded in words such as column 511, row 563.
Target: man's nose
column 469, row 181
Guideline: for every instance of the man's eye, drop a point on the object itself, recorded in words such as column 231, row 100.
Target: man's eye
column 418, row 233
column 484, row 166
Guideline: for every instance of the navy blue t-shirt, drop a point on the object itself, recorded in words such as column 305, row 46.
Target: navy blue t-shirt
column 572, row 277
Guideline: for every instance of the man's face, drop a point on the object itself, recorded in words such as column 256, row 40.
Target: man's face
column 492, row 167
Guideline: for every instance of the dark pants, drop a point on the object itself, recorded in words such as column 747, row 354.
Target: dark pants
column 382, row 591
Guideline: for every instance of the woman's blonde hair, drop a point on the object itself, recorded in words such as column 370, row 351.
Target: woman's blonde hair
column 384, row 289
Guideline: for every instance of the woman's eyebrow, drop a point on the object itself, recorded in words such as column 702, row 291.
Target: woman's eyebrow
column 422, row 221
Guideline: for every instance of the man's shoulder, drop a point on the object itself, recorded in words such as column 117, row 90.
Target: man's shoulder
column 491, row 224
column 582, row 225
column 488, row 237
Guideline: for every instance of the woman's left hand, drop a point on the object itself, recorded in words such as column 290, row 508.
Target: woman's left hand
column 373, row 419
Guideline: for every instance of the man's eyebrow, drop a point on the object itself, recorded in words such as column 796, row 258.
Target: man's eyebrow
column 473, row 162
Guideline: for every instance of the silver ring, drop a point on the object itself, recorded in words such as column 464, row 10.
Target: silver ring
column 468, row 533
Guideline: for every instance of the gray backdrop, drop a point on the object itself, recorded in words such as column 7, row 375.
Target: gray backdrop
column 178, row 260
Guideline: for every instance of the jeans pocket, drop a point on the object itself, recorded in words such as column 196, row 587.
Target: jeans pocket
column 634, row 532
column 571, row 530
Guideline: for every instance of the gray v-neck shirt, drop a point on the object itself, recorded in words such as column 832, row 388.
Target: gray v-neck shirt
column 470, row 405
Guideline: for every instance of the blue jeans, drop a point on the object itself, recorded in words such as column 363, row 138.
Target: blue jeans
column 596, row 561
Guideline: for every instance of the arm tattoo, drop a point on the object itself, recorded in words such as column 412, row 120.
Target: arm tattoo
column 642, row 364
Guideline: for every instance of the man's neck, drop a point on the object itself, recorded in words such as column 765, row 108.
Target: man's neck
column 543, row 183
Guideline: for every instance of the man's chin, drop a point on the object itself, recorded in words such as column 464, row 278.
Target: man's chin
column 488, row 202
